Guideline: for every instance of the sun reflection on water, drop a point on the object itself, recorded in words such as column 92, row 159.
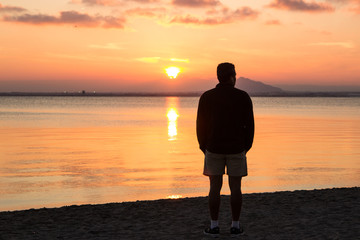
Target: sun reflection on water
column 174, row 197
column 172, row 115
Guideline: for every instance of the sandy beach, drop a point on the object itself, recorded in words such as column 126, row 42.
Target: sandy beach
column 317, row 214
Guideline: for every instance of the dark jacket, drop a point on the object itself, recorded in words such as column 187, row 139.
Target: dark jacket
column 225, row 120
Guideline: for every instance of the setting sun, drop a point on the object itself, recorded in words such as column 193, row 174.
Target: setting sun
column 172, row 72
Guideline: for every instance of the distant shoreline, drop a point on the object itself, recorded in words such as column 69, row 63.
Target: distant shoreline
column 173, row 94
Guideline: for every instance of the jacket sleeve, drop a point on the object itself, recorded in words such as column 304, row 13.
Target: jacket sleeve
column 201, row 124
column 249, row 126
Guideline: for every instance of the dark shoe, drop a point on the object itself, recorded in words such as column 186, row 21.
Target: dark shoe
column 236, row 231
column 214, row 232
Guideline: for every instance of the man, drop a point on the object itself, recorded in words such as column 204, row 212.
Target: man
column 225, row 131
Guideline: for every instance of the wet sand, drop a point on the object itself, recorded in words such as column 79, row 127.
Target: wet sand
column 317, row 214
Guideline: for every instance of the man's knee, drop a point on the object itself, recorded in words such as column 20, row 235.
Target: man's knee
column 235, row 184
column 215, row 183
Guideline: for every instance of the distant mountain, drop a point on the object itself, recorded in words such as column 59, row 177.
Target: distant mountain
column 251, row 86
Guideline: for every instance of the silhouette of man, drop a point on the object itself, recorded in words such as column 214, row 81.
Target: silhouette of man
column 225, row 131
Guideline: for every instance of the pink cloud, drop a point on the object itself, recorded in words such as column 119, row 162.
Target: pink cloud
column 352, row 5
column 195, row 3
column 68, row 17
column 145, row 1
column 227, row 17
column 301, row 5
column 146, row 12
column 111, row 2
column 101, row 2
column 8, row 9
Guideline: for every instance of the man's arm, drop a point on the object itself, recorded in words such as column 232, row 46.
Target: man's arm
column 249, row 126
column 201, row 124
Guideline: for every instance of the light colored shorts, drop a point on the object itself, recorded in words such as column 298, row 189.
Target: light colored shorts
column 236, row 165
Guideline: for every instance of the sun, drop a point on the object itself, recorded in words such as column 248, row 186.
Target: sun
column 172, row 72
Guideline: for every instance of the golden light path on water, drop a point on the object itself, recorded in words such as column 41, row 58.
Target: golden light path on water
column 172, row 115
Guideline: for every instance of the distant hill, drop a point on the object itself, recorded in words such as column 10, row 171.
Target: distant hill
column 251, row 86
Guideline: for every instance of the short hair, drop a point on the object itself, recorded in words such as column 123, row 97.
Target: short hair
column 225, row 71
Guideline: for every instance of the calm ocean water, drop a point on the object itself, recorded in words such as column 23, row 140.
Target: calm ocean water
column 57, row 151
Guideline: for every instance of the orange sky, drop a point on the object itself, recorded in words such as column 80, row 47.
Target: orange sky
column 125, row 45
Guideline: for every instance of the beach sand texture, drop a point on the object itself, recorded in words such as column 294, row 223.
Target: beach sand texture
column 317, row 214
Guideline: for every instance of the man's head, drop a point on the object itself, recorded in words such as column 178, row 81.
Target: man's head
column 226, row 72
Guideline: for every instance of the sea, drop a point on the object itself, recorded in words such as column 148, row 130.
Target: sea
column 66, row 150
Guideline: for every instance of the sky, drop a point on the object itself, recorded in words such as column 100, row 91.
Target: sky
column 126, row 45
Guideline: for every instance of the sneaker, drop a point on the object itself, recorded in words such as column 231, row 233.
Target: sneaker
column 214, row 232
column 236, row 231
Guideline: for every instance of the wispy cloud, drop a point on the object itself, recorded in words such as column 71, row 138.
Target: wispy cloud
column 301, row 5
column 109, row 46
column 144, row 1
column 341, row 1
column 111, row 2
column 98, row 2
column 210, row 15
column 196, row 3
column 69, row 17
column 273, row 22
column 11, row 9
column 224, row 18
column 146, row 12
column 179, row 60
column 334, row 44
column 354, row 4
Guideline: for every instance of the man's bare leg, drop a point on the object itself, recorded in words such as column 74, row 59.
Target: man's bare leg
column 214, row 195
column 236, row 197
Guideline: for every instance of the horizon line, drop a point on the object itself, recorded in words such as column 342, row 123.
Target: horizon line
column 284, row 93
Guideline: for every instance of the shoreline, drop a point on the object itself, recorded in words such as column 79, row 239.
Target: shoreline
column 301, row 214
